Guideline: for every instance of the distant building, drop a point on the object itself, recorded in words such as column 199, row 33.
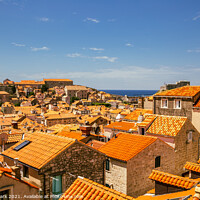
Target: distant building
column 4, row 96
column 57, row 82
column 78, row 91
column 170, row 86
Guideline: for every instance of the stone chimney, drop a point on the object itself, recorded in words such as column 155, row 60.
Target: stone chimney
column 16, row 169
column 140, row 118
column 86, row 130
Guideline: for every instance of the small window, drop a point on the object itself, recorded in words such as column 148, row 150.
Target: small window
column 164, row 103
column 57, row 186
column 177, row 104
column 25, row 172
column 157, row 161
column 143, row 131
column 108, row 164
column 107, row 185
column 190, row 136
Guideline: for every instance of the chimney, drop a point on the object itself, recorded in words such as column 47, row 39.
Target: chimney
column 140, row 118
column 14, row 125
column 16, row 169
column 86, row 130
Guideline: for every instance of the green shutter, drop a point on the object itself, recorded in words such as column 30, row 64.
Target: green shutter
column 57, row 185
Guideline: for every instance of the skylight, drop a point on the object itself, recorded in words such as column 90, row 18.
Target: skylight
column 22, row 145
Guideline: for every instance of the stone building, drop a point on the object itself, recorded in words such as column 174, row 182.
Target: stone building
column 4, row 96
column 130, row 160
column 57, row 82
column 176, row 102
column 170, row 86
column 52, row 162
column 176, row 131
column 68, row 118
column 12, row 187
column 78, row 91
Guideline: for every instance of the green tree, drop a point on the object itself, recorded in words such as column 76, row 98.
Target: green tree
column 13, row 89
column 44, row 88
column 73, row 99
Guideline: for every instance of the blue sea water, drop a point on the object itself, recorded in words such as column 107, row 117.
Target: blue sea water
column 132, row 93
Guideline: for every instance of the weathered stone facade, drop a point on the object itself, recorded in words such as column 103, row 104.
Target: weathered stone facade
column 131, row 177
column 77, row 160
column 185, row 110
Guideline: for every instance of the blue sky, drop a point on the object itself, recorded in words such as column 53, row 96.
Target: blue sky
column 105, row 44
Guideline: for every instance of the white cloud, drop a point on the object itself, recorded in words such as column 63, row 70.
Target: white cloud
column 91, row 19
column 39, row 49
column 129, row 45
column 74, row 55
column 196, row 18
column 110, row 59
column 193, row 50
column 18, row 45
column 44, row 19
column 96, row 49
column 111, row 20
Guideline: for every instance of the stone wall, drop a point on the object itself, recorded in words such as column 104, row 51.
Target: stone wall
column 196, row 118
column 140, row 167
column 116, row 177
column 186, row 107
column 184, row 149
column 77, row 160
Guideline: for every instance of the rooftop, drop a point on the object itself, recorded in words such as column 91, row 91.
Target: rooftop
column 186, row 91
column 41, row 149
column 166, row 125
column 136, row 113
column 174, row 180
column 125, row 126
column 126, row 146
column 90, row 190
column 192, row 166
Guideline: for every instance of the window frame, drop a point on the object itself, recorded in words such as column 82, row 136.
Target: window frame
column 157, row 161
column 175, row 103
column 25, row 171
column 162, row 103
column 189, row 136
column 107, row 164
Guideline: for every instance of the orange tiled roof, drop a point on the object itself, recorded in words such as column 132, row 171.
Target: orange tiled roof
column 136, row 113
column 147, row 121
column 71, row 134
column 186, row 91
column 126, row 146
column 87, row 189
column 42, row 149
column 125, row 126
column 171, row 179
column 192, row 166
column 167, row 125
column 14, row 137
column 178, row 195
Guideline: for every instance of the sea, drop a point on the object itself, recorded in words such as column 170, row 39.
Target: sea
column 131, row 93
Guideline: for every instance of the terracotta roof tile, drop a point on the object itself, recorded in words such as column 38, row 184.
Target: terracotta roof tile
column 86, row 189
column 124, row 126
column 186, row 91
column 171, row 179
column 14, row 137
column 136, row 113
column 71, row 134
column 167, row 125
column 126, row 146
column 42, row 149
column 192, row 166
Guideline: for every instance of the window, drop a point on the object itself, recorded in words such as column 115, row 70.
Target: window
column 107, row 185
column 190, row 136
column 177, row 104
column 157, row 161
column 57, row 187
column 164, row 103
column 25, row 172
column 108, row 164
column 22, row 145
column 143, row 132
